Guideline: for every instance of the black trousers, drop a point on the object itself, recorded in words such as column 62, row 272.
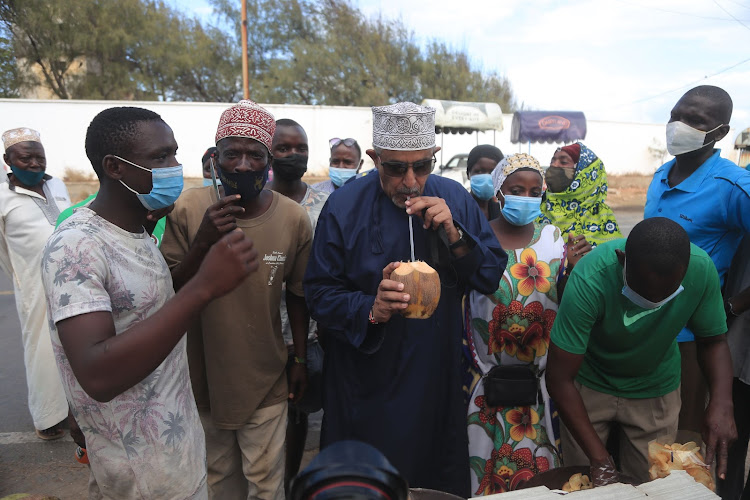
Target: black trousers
column 732, row 487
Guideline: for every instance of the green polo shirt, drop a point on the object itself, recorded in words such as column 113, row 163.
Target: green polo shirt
column 629, row 351
column 157, row 235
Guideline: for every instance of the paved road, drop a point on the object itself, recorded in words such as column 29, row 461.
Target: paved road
column 28, row 465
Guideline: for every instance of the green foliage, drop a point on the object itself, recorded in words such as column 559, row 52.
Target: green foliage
column 9, row 78
column 300, row 51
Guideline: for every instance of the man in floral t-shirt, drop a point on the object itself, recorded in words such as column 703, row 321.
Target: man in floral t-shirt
column 118, row 327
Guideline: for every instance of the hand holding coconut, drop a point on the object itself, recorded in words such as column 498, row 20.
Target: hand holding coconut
column 390, row 298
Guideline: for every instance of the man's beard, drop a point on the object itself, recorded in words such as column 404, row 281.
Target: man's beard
column 411, row 193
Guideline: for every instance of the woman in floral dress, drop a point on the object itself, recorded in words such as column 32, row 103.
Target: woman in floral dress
column 509, row 445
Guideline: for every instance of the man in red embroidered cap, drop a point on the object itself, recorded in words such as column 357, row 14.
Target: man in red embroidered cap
column 237, row 353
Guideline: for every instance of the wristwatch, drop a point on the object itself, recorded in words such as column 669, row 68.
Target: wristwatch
column 729, row 309
column 460, row 241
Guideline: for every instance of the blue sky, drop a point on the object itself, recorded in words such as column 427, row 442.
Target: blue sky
column 625, row 60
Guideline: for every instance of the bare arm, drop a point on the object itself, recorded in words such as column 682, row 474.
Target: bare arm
column 719, row 430
column 562, row 368
column 738, row 304
column 107, row 364
column 299, row 321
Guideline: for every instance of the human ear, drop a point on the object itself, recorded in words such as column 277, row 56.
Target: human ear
column 373, row 156
column 722, row 132
column 112, row 167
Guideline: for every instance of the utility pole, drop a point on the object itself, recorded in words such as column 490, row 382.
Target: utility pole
column 245, row 77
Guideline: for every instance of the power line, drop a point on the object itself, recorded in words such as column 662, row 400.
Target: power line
column 688, row 14
column 740, row 4
column 731, row 15
column 638, row 101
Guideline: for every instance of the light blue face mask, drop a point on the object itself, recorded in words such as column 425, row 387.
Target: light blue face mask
column 482, row 186
column 340, row 175
column 166, row 186
column 641, row 301
column 521, row 210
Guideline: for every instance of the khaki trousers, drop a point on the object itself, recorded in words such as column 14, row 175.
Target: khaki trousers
column 641, row 421
column 247, row 463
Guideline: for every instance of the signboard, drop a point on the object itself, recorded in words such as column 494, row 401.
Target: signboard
column 548, row 126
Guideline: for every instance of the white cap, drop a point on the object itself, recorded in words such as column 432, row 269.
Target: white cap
column 403, row 126
column 22, row 134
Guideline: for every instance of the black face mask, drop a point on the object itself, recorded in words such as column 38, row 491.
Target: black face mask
column 247, row 184
column 290, row 168
column 559, row 179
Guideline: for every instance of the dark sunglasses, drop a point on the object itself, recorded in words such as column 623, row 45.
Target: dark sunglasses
column 349, row 142
column 399, row 168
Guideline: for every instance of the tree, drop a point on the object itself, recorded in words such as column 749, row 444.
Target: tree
column 327, row 52
column 448, row 74
column 119, row 49
column 9, row 78
column 300, row 51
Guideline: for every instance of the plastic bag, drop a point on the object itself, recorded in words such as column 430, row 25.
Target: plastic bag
column 664, row 458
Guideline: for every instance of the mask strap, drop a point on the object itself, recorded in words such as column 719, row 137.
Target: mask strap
column 713, row 130
column 129, row 188
column 131, row 163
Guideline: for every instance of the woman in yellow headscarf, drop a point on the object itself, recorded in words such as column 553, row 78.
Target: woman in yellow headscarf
column 575, row 200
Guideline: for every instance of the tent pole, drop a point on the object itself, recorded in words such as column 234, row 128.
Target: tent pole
column 494, row 138
column 442, row 134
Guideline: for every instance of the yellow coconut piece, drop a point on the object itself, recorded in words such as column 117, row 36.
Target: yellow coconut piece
column 422, row 283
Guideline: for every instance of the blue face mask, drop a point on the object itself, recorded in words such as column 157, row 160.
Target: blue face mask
column 482, row 187
column 340, row 175
column 209, row 182
column 640, row 300
column 27, row 177
column 166, row 186
column 521, row 210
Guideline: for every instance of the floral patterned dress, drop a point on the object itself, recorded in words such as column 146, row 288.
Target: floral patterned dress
column 508, row 446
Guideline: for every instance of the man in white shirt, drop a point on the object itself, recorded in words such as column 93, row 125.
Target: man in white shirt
column 30, row 202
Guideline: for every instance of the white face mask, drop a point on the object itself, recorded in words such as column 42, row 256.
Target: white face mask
column 641, row 301
column 682, row 138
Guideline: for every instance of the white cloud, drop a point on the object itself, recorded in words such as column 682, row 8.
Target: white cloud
column 599, row 56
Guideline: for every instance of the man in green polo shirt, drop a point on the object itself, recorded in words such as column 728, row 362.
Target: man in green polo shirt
column 614, row 357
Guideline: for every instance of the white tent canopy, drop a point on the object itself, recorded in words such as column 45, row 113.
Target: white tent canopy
column 465, row 117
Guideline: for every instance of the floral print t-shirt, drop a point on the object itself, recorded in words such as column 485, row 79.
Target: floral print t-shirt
column 510, row 445
column 148, row 441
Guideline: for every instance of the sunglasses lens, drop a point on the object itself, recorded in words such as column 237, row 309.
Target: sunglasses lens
column 399, row 168
column 349, row 142
column 423, row 167
column 395, row 169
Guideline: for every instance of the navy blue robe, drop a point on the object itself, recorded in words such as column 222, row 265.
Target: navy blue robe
column 397, row 385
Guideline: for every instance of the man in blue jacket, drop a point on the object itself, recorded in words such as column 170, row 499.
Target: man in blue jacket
column 390, row 381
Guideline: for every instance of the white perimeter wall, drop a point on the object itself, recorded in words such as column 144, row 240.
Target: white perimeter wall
column 623, row 147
